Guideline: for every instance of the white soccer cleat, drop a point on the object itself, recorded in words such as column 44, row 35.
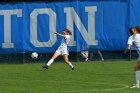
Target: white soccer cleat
column 135, row 86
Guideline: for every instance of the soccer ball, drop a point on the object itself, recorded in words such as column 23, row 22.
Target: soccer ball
column 34, row 55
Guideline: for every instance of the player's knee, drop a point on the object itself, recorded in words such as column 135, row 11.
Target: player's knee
column 137, row 68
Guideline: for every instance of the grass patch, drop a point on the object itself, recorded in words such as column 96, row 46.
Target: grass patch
column 88, row 77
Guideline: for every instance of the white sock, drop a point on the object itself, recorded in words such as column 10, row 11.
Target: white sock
column 70, row 64
column 138, row 77
column 50, row 62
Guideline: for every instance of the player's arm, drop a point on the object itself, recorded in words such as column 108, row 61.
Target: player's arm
column 127, row 49
column 129, row 44
column 60, row 35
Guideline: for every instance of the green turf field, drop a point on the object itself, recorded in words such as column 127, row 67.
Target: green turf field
column 88, row 77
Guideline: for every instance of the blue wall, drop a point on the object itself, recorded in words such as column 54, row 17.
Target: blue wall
column 99, row 24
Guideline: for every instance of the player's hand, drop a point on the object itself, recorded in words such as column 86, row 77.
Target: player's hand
column 127, row 51
column 55, row 32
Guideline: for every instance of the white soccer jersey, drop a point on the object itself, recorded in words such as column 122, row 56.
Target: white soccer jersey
column 63, row 48
column 65, row 41
column 135, row 40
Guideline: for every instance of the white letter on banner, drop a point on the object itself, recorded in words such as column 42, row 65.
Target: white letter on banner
column 33, row 27
column 7, row 26
column 72, row 18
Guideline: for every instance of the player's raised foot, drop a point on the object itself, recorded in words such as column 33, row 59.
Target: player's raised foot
column 45, row 66
column 72, row 68
column 135, row 86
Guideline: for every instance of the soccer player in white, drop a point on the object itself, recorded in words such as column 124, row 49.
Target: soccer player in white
column 62, row 49
column 134, row 40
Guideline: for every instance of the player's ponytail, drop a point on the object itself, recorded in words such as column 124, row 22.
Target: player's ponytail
column 68, row 31
column 137, row 28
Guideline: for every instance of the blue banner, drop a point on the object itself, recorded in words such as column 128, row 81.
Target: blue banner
column 28, row 27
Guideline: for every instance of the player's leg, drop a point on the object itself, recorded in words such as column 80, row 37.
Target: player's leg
column 101, row 56
column 85, row 55
column 137, row 67
column 137, row 73
column 55, row 55
column 65, row 56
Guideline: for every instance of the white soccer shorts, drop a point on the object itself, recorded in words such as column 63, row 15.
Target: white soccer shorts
column 62, row 51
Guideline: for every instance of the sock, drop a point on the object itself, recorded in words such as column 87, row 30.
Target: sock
column 70, row 64
column 50, row 62
column 138, row 77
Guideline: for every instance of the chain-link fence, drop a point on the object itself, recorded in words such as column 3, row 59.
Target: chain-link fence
column 20, row 58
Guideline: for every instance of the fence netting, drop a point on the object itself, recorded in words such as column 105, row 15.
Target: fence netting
column 73, row 57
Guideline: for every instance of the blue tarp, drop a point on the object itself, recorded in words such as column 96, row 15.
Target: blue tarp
column 100, row 25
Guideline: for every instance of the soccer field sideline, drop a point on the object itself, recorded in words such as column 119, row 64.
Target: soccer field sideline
column 88, row 77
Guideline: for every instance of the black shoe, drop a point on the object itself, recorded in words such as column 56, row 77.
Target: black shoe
column 45, row 66
column 72, row 68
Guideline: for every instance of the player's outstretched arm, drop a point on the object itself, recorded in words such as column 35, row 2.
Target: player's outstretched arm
column 60, row 34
